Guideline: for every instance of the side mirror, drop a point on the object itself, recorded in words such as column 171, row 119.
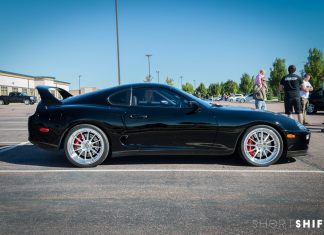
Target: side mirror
column 193, row 105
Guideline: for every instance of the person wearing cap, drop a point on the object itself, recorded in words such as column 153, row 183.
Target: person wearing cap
column 291, row 84
column 306, row 87
column 260, row 94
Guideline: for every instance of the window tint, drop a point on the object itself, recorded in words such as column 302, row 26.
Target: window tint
column 120, row 98
column 157, row 97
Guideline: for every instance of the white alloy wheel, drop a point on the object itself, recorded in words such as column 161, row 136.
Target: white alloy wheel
column 86, row 146
column 261, row 145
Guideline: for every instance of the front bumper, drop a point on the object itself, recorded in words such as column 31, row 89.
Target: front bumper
column 298, row 146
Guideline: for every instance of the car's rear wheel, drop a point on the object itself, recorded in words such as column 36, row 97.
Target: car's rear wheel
column 86, row 146
column 311, row 108
column 27, row 102
column 261, row 145
column 242, row 100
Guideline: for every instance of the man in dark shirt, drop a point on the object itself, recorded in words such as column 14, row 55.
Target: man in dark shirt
column 290, row 84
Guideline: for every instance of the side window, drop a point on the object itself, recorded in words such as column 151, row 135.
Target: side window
column 120, row 98
column 157, row 97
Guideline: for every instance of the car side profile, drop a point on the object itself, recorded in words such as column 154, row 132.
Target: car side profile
column 17, row 97
column 316, row 101
column 236, row 98
column 156, row 119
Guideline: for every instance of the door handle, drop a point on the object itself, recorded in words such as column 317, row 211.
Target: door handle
column 138, row 116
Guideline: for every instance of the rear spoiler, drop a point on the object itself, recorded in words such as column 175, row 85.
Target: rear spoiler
column 48, row 98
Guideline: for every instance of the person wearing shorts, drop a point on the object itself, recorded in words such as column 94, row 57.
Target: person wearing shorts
column 291, row 84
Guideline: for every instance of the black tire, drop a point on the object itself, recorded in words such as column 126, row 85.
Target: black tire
column 311, row 109
column 257, row 146
column 2, row 102
column 95, row 142
column 27, row 102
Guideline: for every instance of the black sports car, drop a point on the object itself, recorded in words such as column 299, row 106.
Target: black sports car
column 159, row 119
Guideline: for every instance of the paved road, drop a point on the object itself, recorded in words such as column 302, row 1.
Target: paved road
column 41, row 193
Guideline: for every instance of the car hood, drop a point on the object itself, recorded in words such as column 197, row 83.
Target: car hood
column 246, row 115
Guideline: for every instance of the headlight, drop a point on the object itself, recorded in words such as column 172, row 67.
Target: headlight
column 31, row 98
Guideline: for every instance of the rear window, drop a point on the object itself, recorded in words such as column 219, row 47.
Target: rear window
column 120, row 98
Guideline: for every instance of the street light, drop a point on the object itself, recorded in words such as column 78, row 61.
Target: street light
column 118, row 63
column 181, row 81
column 194, row 83
column 158, row 75
column 79, row 85
column 149, row 65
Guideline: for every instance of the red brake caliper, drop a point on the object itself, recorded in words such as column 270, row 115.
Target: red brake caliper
column 77, row 141
column 249, row 147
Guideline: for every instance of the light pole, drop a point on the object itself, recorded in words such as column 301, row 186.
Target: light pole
column 158, row 75
column 194, row 83
column 149, row 65
column 181, row 81
column 79, row 85
column 118, row 63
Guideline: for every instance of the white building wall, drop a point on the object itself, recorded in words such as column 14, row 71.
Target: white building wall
column 13, row 81
column 10, row 82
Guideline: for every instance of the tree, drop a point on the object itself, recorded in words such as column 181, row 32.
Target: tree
column 201, row 91
column 315, row 66
column 148, row 78
column 214, row 89
column 169, row 81
column 230, row 87
column 188, row 87
column 276, row 74
column 246, row 84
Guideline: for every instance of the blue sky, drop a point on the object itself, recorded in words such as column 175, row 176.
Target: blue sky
column 201, row 40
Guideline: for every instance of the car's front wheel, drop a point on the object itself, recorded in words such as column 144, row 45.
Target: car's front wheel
column 86, row 146
column 261, row 145
column 2, row 102
column 27, row 102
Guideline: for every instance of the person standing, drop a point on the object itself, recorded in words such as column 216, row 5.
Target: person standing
column 260, row 94
column 291, row 85
column 304, row 94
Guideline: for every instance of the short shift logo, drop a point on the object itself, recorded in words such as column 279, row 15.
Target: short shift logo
column 288, row 223
column 309, row 223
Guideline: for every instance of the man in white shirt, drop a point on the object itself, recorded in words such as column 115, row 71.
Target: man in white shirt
column 306, row 87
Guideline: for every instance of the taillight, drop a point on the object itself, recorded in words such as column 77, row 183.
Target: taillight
column 44, row 130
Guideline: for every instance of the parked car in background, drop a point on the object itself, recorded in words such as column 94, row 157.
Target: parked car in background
column 247, row 98
column 235, row 98
column 17, row 97
column 316, row 101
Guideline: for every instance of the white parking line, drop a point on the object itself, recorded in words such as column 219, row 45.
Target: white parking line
column 13, row 122
column 13, row 129
column 161, row 170
column 7, row 148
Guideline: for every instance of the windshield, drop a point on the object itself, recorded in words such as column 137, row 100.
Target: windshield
column 200, row 101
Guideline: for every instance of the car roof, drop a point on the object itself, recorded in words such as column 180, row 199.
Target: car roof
column 102, row 94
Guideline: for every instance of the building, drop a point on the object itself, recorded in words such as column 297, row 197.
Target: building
column 25, row 83
column 83, row 90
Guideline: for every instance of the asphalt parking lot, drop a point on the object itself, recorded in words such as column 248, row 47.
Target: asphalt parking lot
column 41, row 193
